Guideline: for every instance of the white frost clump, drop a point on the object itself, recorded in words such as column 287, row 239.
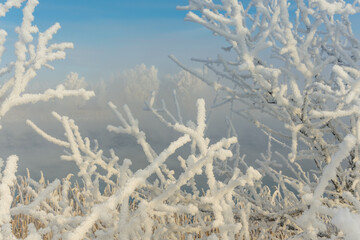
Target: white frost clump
column 73, row 81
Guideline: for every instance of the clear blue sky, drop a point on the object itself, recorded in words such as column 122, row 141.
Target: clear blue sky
column 113, row 35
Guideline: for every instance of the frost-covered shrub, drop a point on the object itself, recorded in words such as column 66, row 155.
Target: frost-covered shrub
column 309, row 85
column 139, row 209
column 296, row 62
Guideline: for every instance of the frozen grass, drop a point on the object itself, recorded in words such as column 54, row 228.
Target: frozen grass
column 179, row 222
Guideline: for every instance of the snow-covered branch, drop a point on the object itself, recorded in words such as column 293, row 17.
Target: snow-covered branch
column 29, row 59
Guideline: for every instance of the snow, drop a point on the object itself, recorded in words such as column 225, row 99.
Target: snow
column 310, row 88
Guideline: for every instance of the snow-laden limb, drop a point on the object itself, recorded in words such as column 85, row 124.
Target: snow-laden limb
column 348, row 223
column 6, row 182
column 329, row 171
column 86, row 157
column 31, row 57
column 308, row 221
column 309, row 84
column 132, row 128
column 123, row 193
column 5, row 7
column 60, row 92
column 252, row 28
column 137, row 208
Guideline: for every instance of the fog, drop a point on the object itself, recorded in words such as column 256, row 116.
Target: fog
column 132, row 87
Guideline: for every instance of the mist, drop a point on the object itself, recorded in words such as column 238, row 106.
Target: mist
column 132, row 87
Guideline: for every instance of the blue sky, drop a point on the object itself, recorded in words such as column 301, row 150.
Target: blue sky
column 113, row 35
column 110, row 36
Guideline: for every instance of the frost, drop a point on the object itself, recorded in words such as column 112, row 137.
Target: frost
column 29, row 59
column 73, row 82
column 309, row 86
